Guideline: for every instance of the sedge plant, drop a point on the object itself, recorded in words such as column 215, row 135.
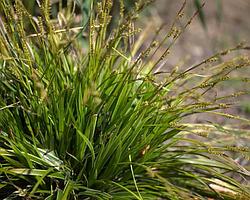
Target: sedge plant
column 101, row 122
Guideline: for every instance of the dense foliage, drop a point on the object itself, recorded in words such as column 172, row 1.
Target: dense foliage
column 96, row 121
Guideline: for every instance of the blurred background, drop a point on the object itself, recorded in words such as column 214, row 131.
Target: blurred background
column 226, row 24
column 221, row 24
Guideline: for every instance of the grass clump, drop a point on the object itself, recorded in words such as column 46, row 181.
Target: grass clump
column 99, row 123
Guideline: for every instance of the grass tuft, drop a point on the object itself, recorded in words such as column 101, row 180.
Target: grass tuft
column 85, row 115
